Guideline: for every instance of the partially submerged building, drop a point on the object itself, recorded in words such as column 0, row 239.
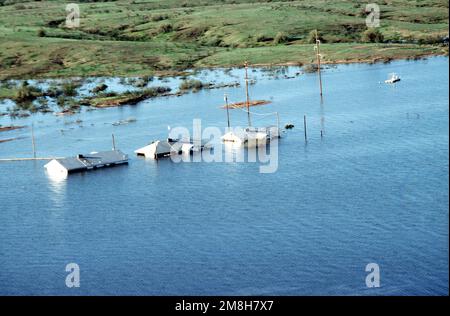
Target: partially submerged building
column 170, row 147
column 84, row 162
column 252, row 136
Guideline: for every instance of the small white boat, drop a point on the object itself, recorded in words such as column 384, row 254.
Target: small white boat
column 393, row 79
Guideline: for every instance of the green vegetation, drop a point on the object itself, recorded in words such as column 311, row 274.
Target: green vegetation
column 99, row 88
column 315, row 35
column 29, row 98
column 192, row 84
column 128, row 97
column 70, row 88
column 41, row 33
column 372, row 35
column 146, row 37
column 280, row 38
column 27, row 93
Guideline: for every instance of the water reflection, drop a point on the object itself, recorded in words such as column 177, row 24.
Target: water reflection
column 57, row 184
column 325, row 200
column 322, row 119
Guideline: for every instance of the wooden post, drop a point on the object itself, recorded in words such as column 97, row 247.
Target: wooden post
column 278, row 125
column 318, row 62
column 113, row 142
column 304, row 125
column 228, row 111
column 246, row 94
column 33, row 143
column 278, row 121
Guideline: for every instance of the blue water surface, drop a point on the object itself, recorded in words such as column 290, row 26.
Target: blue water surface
column 373, row 189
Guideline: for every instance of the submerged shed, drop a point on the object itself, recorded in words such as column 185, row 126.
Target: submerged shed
column 158, row 149
column 170, row 147
column 83, row 162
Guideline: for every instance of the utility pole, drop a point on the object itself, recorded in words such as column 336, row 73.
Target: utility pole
column 246, row 93
column 228, row 111
column 317, row 48
column 33, row 143
column 304, row 126
column 113, row 142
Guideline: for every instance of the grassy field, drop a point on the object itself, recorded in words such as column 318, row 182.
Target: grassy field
column 143, row 37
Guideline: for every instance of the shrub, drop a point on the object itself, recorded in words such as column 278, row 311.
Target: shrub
column 165, row 28
column 191, row 84
column 263, row 38
column 27, row 92
column 191, row 33
column 312, row 37
column 159, row 17
column 310, row 68
column 155, row 91
column 281, row 37
column 61, row 101
column 431, row 39
column 70, row 89
column 99, row 88
column 372, row 35
column 41, row 33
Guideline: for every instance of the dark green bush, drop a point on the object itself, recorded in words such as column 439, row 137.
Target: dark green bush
column 280, row 38
column 372, row 35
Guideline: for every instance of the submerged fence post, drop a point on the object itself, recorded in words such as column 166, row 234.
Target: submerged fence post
column 278, row 123
column 304, row 125
column 32, row 140
column 317, row 47
column 228, row 110
column 113, row 142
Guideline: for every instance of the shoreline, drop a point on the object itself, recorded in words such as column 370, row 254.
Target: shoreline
column 169, row 73
column 101, row 101
column 368, row 61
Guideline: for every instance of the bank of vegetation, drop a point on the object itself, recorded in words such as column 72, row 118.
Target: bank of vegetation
column 146, row 37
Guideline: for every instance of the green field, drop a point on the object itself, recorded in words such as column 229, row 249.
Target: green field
column 143, row 37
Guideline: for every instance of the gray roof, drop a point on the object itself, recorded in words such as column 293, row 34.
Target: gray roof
column 93, row 160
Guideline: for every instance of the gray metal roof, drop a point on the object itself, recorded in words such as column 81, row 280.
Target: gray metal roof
column 93, row 160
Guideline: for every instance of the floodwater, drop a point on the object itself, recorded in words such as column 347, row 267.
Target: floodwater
column 373, row 189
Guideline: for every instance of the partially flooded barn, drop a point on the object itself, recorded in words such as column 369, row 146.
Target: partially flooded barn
column 84, row 162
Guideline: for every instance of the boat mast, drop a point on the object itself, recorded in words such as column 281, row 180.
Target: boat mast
column 228, row 111
column 317, row 47
column 246, row 93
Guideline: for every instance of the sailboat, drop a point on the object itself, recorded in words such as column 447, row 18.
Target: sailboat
column 250, row 136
